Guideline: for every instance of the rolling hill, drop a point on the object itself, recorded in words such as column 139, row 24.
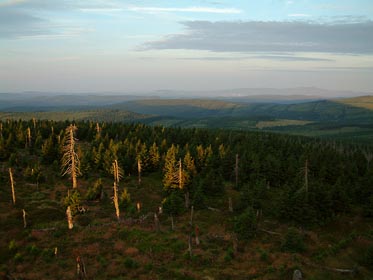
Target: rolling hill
column 348, row 119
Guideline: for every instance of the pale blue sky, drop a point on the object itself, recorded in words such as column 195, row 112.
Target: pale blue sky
column 126, row 46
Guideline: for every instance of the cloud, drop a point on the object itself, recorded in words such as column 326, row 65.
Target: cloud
column 101, row 10
column 18, row 23
column 24, row 18
column 299, row 15
column 186, row 9
column 292, row 58
column 286, row 58
column 257, row 36
column 351, row 68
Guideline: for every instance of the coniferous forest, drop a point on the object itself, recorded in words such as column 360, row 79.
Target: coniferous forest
column 89, row 200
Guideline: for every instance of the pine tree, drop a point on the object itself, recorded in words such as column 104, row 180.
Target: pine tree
column 170, row 169
column 154, row 156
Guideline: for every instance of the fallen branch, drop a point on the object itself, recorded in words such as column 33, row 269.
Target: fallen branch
column 270, row 232
column 44, row 229
column 214, row 209
column 340, row 270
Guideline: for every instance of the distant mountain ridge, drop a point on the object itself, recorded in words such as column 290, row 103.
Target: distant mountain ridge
column 348, row 118
column 35, row 101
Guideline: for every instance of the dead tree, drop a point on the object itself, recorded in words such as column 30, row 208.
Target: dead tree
column 69, row 217
column 139, row 170
column 116, row 201
column 28, row 138
column 156, row 222
column 80, row 268
column 191, row 215
column 197, row 235
column 230, row 205
column 190, row 245
column 12, row 186
column 70, row 159
column 117, row 176
column 24, row 218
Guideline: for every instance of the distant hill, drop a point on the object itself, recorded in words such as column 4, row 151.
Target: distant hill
column 342, row 118
column 323, row 110
column 181, row 108
column 360, row 101
column 90, row 115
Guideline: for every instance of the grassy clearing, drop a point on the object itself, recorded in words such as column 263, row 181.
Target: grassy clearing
column 280, row 122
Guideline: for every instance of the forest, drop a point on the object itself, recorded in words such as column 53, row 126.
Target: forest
column 111, row 200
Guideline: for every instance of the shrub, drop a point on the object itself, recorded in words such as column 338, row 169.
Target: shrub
column 94, row 192
column 125, row 198
column 368, row 257
column 12, row 245
column 229, row 255
column 18, row 257
column 263, row 255
column 293, row 242
column 174, row 203
column 33, row 250
column 245, row 224
column 73, row 200
column 130, row 263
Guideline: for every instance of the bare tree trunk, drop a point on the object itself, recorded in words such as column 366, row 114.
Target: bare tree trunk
column 190, row 245
column 73, row 161
column 70, row 160
column 80, row 268
column 156, row 222
column 191, row 215
column 187, row 200
column 138, row 206
column 172, row 223
column 139, row 170
column 28, row 138
column 230, row 204
column 116, row 172
column 116, row 202
column 12, row 186
column 197, row 235
column 117, row 176
column 69, row 218
column 24, row 218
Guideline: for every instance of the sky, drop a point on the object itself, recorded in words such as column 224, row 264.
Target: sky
column 143, row 45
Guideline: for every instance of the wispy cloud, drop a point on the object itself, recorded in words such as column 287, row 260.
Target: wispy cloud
column 18, row 23
column 299, row 15
column 185, row 9
column 285, row 58
column 292, row 58
column 101, row 10
column 256, row 36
